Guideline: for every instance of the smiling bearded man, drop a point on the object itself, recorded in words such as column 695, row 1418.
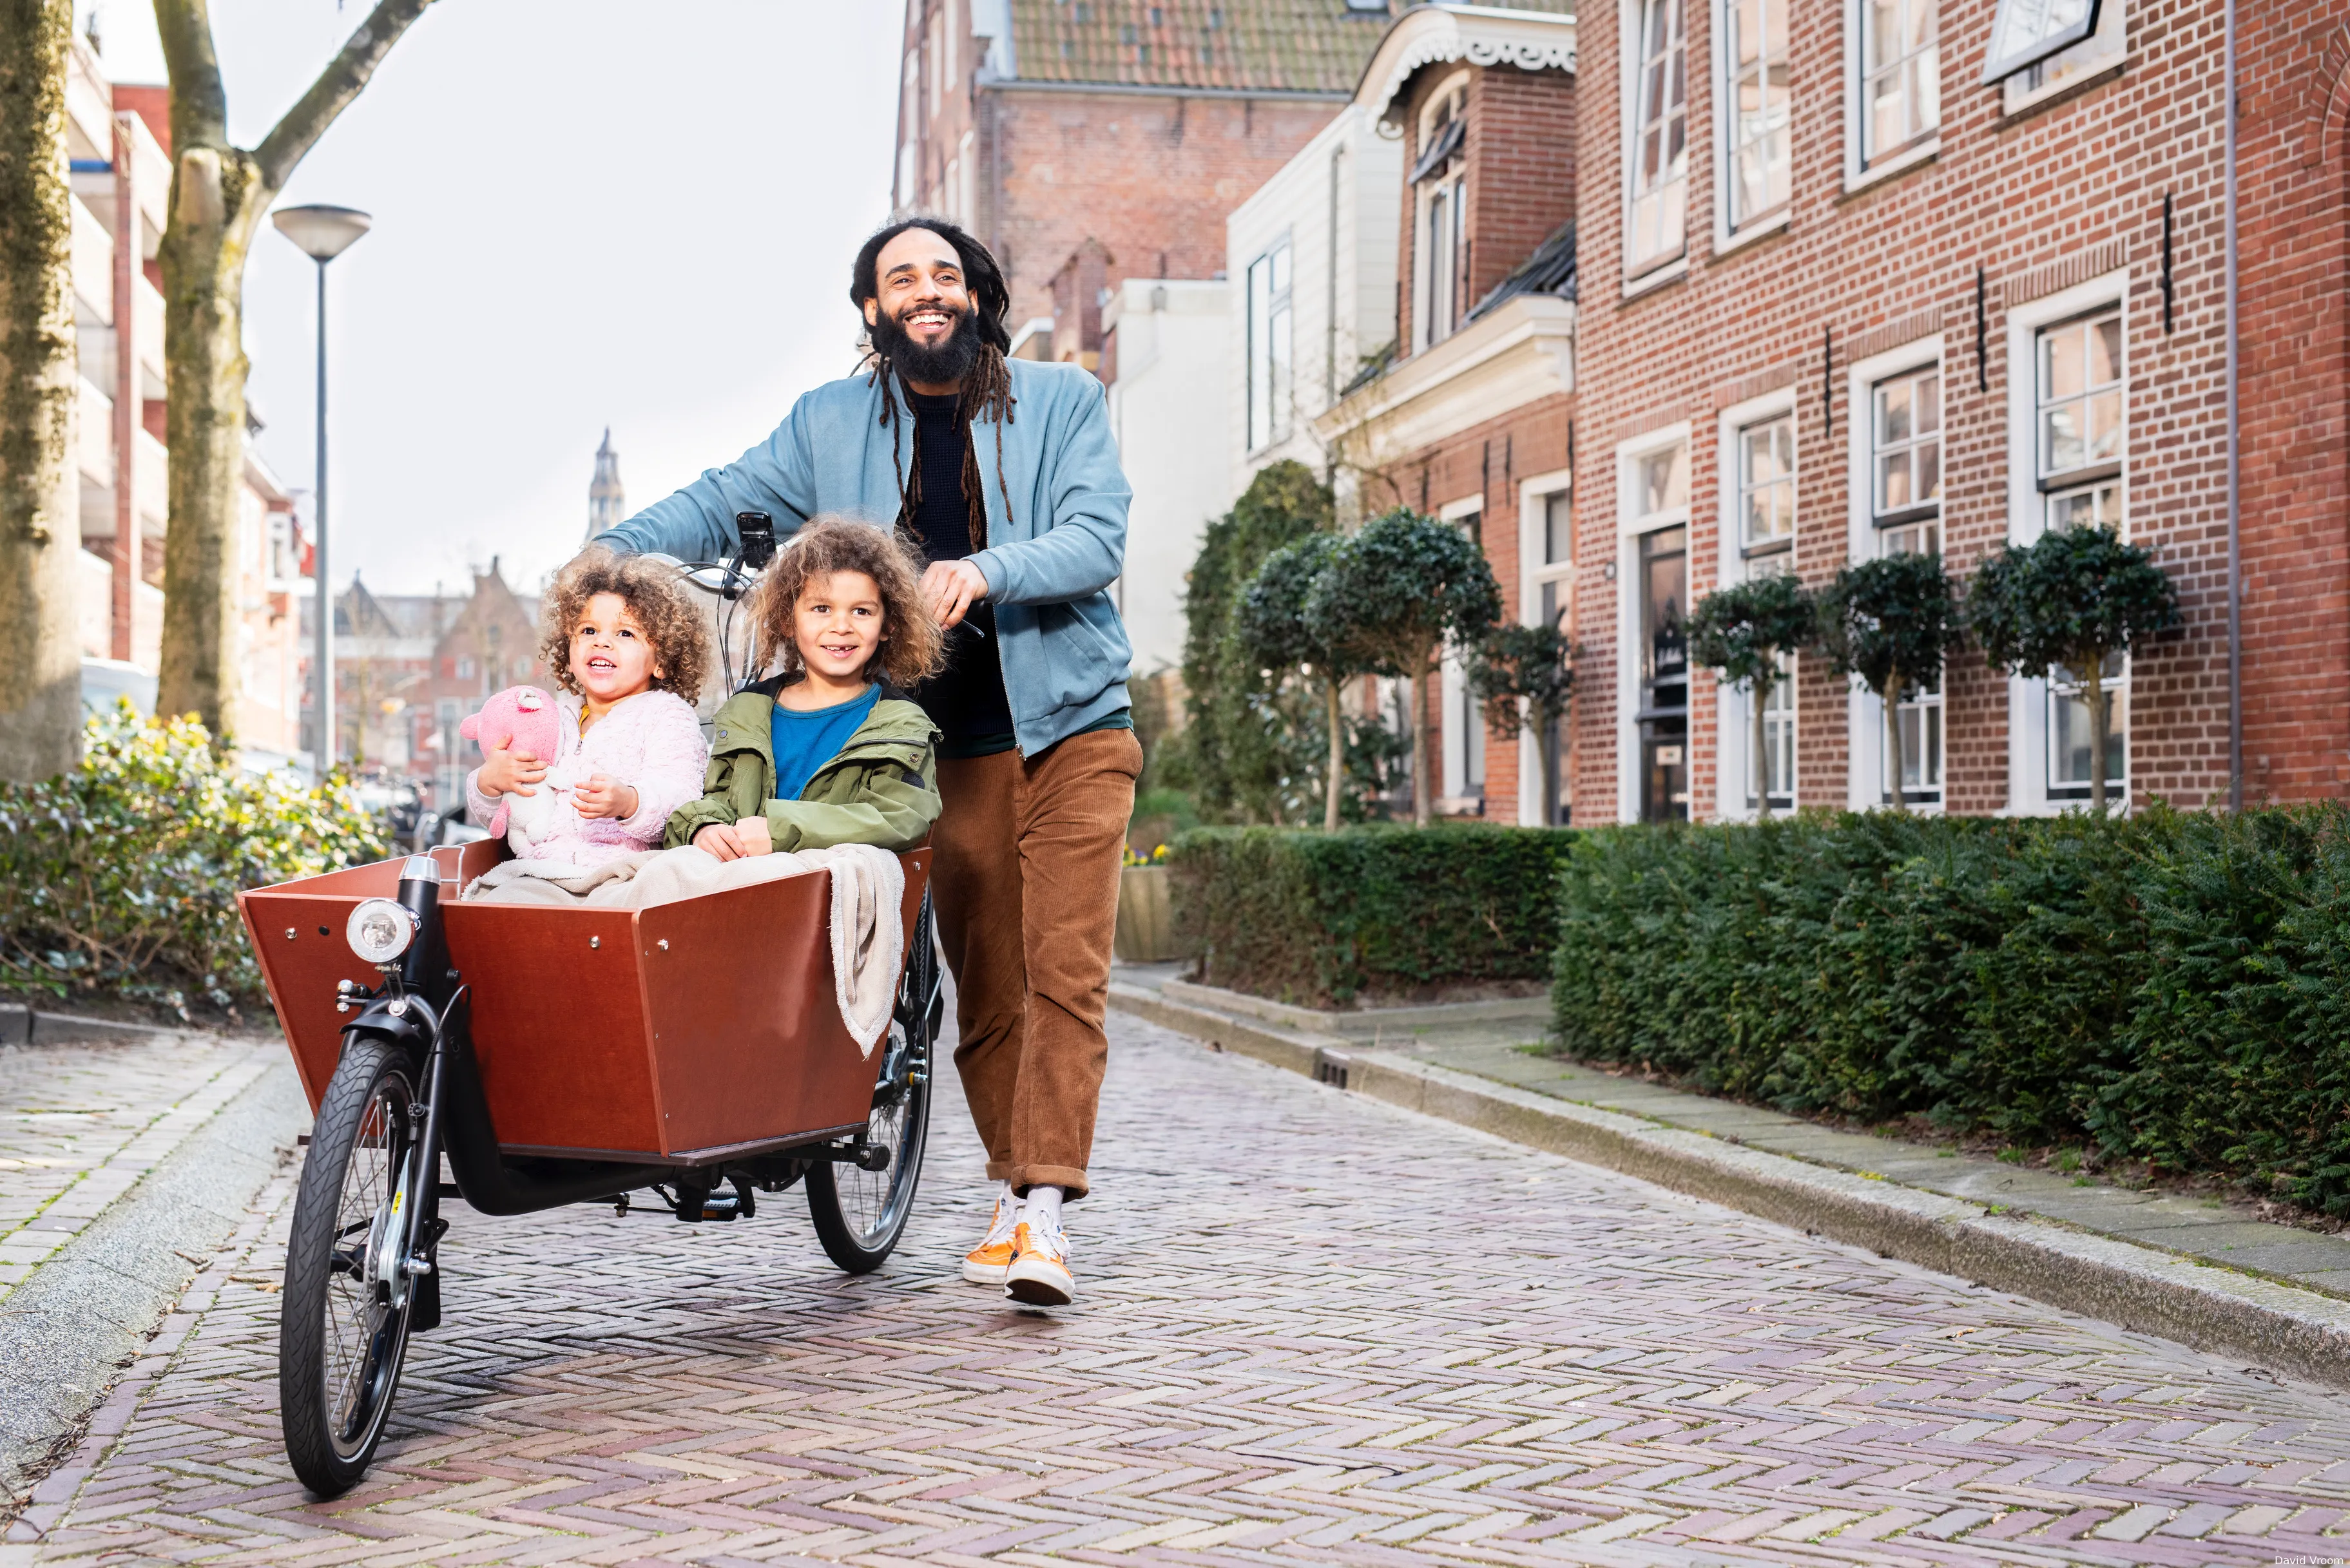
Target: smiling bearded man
column 1009, row 477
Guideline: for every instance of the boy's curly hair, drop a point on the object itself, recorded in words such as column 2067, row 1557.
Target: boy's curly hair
column 672, row 622
column 913, row 646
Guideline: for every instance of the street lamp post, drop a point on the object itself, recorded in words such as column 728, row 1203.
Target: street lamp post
column 323, row 233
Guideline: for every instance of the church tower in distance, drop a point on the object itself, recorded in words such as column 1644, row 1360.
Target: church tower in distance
column 607, row 504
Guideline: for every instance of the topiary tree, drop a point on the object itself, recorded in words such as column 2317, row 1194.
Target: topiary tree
column 1526, row 676
column 2071, row 598
column 1888, row 621
column 1273, row 627
column 1391, row 596
column 1743, row 631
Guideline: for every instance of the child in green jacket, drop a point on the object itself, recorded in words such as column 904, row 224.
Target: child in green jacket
column 823, row 753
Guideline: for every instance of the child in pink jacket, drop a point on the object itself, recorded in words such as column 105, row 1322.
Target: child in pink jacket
column 628, row 648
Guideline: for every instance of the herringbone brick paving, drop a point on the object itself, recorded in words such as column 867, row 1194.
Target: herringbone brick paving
column 1312, row 1330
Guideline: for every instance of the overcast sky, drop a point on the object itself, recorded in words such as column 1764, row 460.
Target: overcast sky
column 632, row 212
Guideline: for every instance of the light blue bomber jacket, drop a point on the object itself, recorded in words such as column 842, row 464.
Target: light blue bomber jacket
column 1049, row 565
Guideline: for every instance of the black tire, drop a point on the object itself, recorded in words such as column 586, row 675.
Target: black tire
column 341, row 1338
column 860, row 1214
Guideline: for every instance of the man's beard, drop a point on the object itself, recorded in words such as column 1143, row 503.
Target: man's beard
column 946, row 361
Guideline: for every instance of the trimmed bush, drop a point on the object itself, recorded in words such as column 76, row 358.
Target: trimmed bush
column 2175, row 987
column 121, row 877
column 1373, row 913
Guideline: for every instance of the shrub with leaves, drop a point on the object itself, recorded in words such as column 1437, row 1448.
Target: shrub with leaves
column 1743, row 631
column 1525, row 676
column 120, row 876
column 1272, row 627
column 1888, row 621
column 2071, row 600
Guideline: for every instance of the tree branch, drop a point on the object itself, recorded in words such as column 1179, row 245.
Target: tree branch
column 199, row 103
column 336, row 86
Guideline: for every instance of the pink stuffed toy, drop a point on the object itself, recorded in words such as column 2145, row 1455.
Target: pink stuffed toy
column 522, row 719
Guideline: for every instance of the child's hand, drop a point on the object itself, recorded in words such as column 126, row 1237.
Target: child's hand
column 604, row 795
column 720, row 840
column 504, row 772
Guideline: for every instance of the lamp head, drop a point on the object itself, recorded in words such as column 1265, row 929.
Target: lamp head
column 323, row 233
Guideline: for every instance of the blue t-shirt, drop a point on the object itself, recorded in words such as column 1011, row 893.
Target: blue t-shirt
column 806, row 742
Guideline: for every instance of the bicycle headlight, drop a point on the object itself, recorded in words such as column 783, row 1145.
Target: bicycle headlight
column 380, row 929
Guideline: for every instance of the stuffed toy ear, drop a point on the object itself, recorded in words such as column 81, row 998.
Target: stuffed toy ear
column 472, row 728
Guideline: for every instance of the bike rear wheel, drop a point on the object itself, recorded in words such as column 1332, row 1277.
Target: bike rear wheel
column 860, row 1214
column 344, row 1331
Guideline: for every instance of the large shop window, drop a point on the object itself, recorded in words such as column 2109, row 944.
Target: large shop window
column 1754, row 65
column 2077, row 431
column 1661, row 586
column 1905, row 507
column 1656, row 228
column 1901, row 76
column 1441, row 182
column 1270, row 363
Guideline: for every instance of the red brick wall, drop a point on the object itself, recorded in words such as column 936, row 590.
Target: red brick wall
column 2062, row 182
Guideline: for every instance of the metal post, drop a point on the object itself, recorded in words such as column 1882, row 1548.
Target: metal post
column 322, row 660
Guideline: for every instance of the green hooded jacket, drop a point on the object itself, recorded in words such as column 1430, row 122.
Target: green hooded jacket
column 881, row 789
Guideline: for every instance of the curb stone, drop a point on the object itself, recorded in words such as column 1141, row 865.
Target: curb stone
column 2279, row 1328
column 66, row 1333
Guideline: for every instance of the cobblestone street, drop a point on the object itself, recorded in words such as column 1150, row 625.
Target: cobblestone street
column 1311, row 1329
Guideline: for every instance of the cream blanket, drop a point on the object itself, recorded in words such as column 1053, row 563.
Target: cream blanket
column 869, row 886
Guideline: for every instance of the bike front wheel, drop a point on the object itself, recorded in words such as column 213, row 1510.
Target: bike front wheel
column 344, row 1331
column 860, row 1214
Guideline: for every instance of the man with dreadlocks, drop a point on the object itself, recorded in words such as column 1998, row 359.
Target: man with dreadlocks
column 1006, row 473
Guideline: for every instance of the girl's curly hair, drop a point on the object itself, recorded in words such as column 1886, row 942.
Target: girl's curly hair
column 913, row 646
column 671, row 620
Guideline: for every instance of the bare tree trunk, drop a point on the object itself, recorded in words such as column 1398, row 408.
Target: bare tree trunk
column 1547, row 758
column 1762, row 750
column 1892, row 696
column 1423, row 803
column 2093, row 684
column 1336, row 782
column 41, row 502
column 219, row 194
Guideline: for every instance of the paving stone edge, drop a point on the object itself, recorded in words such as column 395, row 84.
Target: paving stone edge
column 2275, row 1326
column 66, row 1333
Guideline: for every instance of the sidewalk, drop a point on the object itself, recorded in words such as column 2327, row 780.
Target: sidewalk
column 2172, row 1265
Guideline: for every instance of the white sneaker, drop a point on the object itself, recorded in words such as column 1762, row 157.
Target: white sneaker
column 1039, row 1274
column 985, row 1264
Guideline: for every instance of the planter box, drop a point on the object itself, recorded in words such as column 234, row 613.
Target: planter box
column 1145, row 925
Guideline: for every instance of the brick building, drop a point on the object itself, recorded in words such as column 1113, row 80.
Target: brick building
column 1845, row 290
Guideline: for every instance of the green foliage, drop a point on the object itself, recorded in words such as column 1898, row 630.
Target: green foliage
column 1398, row 588
column 1535, row 664
column 2173, row 987
column 1272, row 623
column 1888, row 620
column 1329, row 919
column 1742, row 630
column 1252, row 747
column 2069, row 598
column 122, row 876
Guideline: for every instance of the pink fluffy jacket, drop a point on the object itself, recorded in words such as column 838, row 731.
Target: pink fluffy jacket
column 651, row 741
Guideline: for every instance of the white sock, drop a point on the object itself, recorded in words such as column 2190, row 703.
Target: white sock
column 1042, row 1207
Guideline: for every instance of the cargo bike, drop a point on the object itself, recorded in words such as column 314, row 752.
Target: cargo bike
column 633, row 1057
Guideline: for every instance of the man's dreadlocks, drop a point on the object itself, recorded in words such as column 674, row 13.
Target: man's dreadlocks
column 986, row 388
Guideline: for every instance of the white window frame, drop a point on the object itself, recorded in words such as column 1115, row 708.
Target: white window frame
column 1279, row 393
column 2027, row 696
column 1436, row 305
column 1536, row 571
column 1650, row 272
column 1734, row 709
column 2100, row 55
column 1729, row 234
column 1861, row 169
column 1864, row 715
column 1630, row 524
column 1462, row 728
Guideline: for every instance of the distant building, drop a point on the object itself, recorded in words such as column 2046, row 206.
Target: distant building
column 608, row 504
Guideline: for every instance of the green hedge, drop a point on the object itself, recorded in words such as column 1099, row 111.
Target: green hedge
column 2170, row 986
column 1370, row 913
column 121, row 877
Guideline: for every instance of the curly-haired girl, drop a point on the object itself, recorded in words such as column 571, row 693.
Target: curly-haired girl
column 821, row 754
column 628, row 647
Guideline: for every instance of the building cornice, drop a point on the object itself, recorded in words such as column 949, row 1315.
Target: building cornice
column 1150, row 89
column 1522, row 352
column 1480, row 35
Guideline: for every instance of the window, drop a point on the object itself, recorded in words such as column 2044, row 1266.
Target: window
column 2027, row 32
column 1754, row 60
column 1663, row 587
column 1902, row 75
column 1440, row 179
column 2100, row 51
column 1269, row 358
column 1546, row 598
column 1905, row 505
column 1766, row 485
column 1462, row 721
column 2077, row 428
column 1653, row 231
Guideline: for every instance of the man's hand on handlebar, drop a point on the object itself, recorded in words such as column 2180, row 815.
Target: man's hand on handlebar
column 952, row 587
column 504, row 772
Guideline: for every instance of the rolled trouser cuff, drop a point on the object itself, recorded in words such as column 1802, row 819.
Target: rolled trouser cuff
column 999, row 1170
column 1070, row 1179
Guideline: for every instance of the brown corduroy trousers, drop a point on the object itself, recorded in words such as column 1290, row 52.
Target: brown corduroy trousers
column 1025, row 888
